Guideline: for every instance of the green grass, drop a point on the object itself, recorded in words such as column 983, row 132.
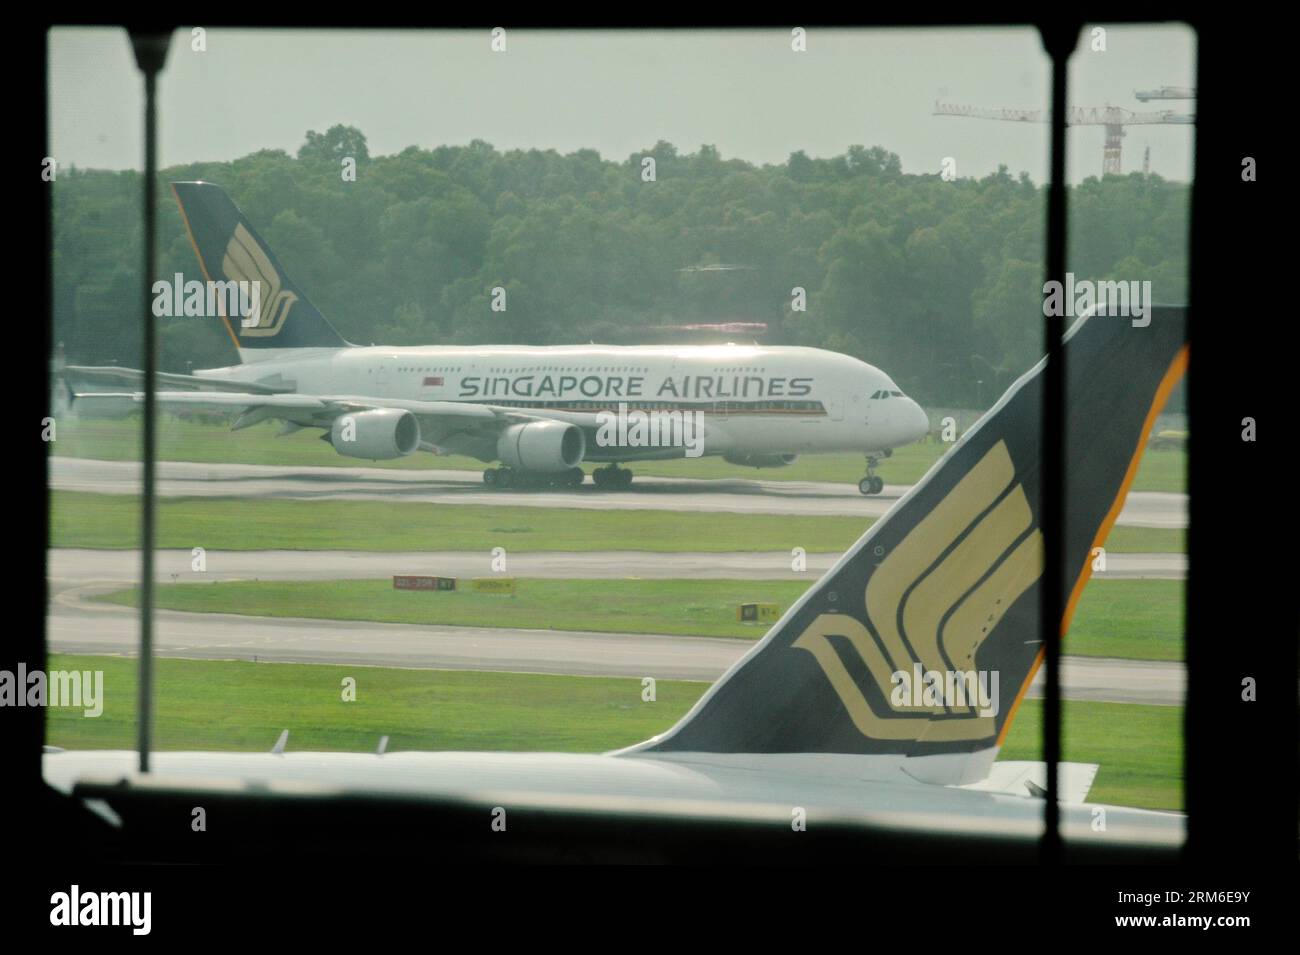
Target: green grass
column 1116, row 618
column 1139, row 748
column 111, row 521
column 705, row 608
column 229, row 705
column 232, row 706
column 1162, row 470
column 1134, row 619
column 185, row 440
column 1146, row 540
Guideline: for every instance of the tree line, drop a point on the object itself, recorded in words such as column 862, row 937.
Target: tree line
column 938, row 282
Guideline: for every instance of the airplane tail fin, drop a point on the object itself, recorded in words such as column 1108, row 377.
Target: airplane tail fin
column 230, row 250
column 921, row 642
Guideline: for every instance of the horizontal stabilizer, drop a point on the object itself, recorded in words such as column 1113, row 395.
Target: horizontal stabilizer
column 1022, row 778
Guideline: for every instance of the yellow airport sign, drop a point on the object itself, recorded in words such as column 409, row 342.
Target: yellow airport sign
column 493, row 585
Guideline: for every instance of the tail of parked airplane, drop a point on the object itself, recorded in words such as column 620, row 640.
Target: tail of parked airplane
column 947, row 583
column 230, row 250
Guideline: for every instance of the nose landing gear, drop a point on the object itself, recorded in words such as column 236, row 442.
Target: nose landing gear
column 872, row 483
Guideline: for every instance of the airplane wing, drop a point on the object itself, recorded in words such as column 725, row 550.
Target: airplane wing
column 89, row 379
column 442, row 423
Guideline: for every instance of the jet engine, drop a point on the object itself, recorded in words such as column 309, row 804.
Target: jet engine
column 378, row 435
column 542, row 446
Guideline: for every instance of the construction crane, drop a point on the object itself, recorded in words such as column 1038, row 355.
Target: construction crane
column 1166, row 92
column 1114, row 118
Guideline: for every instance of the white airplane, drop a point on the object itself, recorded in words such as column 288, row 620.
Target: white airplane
column 815, row 718
column 540, row 411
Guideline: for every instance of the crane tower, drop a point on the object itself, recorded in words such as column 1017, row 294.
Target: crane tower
column 1114, row 118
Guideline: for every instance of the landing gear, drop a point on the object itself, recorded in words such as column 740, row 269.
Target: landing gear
column 612, row 477
column 872, row 483
column 501, row 478
column 574, row 477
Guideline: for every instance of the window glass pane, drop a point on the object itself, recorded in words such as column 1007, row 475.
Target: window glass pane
column 761, row 214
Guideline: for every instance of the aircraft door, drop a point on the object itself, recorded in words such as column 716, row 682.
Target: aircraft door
column 860, row 408
column 384, row 376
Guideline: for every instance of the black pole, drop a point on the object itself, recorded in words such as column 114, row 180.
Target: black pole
column 150, row 54
column 1059, row 42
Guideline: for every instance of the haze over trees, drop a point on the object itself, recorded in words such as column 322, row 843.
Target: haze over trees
column 940, row 283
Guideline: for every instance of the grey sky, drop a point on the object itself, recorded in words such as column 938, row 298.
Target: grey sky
column 745, row 92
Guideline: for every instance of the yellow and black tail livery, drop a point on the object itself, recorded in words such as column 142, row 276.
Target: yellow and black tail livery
column 230, row 250
column 924, row 638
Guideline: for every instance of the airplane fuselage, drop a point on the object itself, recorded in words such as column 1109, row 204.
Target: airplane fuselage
column 750, row 399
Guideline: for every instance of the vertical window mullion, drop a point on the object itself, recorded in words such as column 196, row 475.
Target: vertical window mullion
column 1060, row 42
column 150, row 50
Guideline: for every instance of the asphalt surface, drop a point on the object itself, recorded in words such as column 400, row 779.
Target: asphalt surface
column 77, row 566
column 78, row 626
column 731, row 495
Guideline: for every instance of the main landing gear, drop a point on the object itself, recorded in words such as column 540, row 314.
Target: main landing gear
column 872, row 483
column 503, row 478
column 612, row 477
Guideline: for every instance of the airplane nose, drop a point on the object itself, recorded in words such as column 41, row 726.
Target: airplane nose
column 916, row 423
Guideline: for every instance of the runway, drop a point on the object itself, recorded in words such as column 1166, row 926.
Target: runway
column 77, row 566
column 730, row 495
column 76, row 626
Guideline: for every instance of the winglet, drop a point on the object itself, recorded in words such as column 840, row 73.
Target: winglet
column 383, row 746
column 278, row 748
